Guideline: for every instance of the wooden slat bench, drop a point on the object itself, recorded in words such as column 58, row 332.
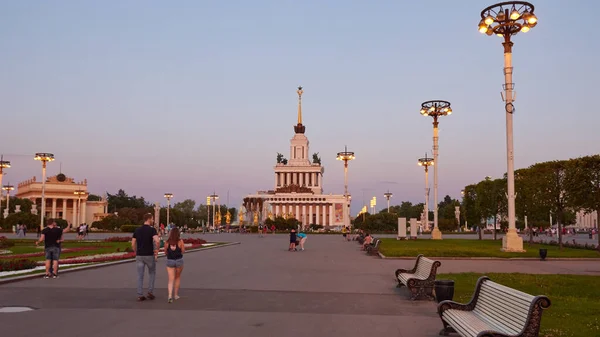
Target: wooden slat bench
column 421, row 279
column 373, row 248
column 494, row 311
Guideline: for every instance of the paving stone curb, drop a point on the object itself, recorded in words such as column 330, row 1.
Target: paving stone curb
column 101, row 265
column 493, row 258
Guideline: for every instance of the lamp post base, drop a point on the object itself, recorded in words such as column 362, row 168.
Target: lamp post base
column 512, row 242
column 436, row 234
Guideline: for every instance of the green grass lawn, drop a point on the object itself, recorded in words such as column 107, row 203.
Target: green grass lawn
column 101, row 247
column 472, row 248
column 575, row 299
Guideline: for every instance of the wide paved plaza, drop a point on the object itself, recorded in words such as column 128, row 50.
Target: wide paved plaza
column 256, row 288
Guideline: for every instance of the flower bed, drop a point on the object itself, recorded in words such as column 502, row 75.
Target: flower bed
column 194, row 241
column 98, row 258
column 118, row 239
column 16, row 264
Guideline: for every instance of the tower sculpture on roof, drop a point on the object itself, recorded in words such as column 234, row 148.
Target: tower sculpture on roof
column 299, row 128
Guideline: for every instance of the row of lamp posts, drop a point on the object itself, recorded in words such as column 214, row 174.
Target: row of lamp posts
column 44, row 158
column 505, row 20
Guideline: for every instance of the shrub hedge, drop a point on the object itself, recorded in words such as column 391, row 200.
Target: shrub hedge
column 129, row 228
column 12, row 265
column 5, row 243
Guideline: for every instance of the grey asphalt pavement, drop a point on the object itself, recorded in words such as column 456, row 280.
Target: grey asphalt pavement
column 256, row 288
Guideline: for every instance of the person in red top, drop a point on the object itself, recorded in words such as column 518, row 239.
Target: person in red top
column 273, row 229
column 162, row 229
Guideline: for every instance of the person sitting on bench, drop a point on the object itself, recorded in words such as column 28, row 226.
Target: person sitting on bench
column 368, row 241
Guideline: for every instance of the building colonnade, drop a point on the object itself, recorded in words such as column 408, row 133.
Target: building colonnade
column 308, row 179
column 59, row 208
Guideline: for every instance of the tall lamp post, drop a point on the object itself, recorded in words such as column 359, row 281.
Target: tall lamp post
column 426, row 162
column 388, row 195
column 168, row 196
column 78, row 193
column 3, row 164
column 462, row 193
column 7, row 188
column 346, row 156
column 44, row 158
column 373, row 205
column 435, row 109
column 506, row 19
column 214, row 198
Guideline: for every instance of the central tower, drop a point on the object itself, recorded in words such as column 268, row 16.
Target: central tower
column 299, row 143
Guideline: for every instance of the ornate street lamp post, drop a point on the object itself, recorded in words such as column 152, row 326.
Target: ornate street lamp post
column 3, row 164
column 462, row 193
column 388, row 195
column 214, row 198
column 346, row 156
column 78, row 193
column 373, row 205
column 506, row 19
column 426, row 162
column 435, row 109
column 168, row 196
column 7, row 188
column 44, row 158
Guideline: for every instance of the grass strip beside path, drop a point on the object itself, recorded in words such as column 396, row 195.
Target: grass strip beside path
column 473, row 248
column 575, row 299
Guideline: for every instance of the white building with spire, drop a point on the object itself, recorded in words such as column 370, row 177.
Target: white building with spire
column 298, row 187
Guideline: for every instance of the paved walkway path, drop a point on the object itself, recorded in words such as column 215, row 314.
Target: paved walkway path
column 256, row 288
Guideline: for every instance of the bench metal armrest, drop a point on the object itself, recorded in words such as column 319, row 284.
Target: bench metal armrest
column 447, row 305
column 410, row 271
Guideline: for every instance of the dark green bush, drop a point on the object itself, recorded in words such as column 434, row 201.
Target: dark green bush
column 61, row 223
column 5, row 243
column 30, row 220
column 111, row 222
column 129, row 228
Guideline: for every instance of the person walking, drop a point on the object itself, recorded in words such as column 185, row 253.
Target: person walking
column 292, row 241
column 302, row 237
column 52, row 236
column 145, row 244
column 174, row 249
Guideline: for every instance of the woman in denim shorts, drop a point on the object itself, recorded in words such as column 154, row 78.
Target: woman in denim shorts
column 174, row 249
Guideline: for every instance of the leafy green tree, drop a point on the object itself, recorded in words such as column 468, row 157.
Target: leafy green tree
column 94, row 197
column 472, row 212
column 583, row 181
column 25, row 204
column 446, row 212
column 31, row 221
column 122, row 200
column 554, row 190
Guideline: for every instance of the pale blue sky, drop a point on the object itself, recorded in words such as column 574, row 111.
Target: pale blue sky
column 194, row 96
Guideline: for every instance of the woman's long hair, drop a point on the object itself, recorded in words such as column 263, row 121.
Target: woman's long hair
column 174, row 237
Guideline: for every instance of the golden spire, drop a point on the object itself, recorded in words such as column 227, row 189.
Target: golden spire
column 300, row 92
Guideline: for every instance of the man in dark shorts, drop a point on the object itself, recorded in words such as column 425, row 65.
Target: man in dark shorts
column 145, row 244
column 52, row 237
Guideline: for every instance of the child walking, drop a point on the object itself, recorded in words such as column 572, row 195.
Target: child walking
column 292, row 240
